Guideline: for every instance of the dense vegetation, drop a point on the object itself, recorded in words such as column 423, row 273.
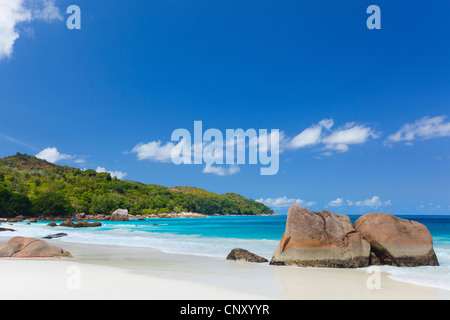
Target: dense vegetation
column 31, row 186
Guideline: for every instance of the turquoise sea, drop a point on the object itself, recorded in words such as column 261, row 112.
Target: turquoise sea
column 216, row 236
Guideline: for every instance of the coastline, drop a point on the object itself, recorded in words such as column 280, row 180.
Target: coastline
column 102, row 217
column 118, row 272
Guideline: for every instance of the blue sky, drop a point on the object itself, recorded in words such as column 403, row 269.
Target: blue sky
column 138, row 70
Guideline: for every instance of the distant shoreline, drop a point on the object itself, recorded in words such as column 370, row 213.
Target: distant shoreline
column 101, row 217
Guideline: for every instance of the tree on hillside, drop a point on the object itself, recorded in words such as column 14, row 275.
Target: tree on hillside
column 5, row 196
column 20, row 204
column 53, row 204
column 13, row 203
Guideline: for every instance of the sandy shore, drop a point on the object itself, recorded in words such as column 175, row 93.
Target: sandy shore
column 113, row 272
column 62, row 280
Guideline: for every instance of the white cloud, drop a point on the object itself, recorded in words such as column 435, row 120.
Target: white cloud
column 16, row 12
column 44, row 10
column 425, row 128
column 336, row 203
column 375, row 201
column 12, row 13
column 350, row 134
column 336, row 140
column 312, row 135
column 53, row 155
column 283, row 202
column 80, row 161
column 221, row 171
column 433, row 207
column 238, row 142
column 154, row 151
column 226, row 152
column 118, row 174
column 327, row 154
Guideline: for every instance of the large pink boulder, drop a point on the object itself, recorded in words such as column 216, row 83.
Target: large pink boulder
column 320, row 239
column 20, row 247
column 395, row 241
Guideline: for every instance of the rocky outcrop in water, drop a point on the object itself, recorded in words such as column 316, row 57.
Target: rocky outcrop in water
column 325, row 239
column 56, row 236
column 320, row 239
column 80, row 224
column 85, row 224
column 67, row 223
column 16, row 219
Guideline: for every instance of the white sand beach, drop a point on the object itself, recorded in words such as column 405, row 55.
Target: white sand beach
column 120, row 273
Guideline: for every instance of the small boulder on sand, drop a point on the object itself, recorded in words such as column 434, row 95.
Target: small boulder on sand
column 20, row 247
column 244, row 255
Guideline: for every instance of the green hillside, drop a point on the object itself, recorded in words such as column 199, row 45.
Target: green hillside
column 31, row 186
